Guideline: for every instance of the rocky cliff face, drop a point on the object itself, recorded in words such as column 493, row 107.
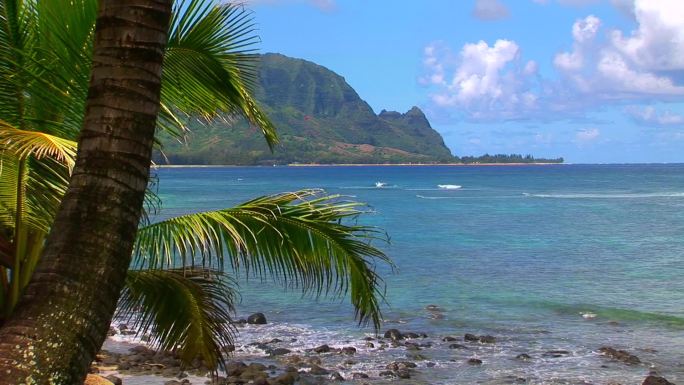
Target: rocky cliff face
column 320, row 119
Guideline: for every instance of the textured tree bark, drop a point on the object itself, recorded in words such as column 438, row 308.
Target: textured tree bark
column 64, row 314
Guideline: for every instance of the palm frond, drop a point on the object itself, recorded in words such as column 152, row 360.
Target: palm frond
column 37, row 144
column 184, row 310
column 304, row 239
column 210, row 67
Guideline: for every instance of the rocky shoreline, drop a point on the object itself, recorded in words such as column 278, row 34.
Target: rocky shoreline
column 275, row 362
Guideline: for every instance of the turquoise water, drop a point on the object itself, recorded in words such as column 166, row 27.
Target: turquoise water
column 519, row 252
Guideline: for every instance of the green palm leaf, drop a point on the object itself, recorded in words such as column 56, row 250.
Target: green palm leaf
column 185, row 310
column 209, row 66
column 37, row 144
column 304, row 239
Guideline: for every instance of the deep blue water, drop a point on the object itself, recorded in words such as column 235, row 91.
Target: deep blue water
column 520, row 252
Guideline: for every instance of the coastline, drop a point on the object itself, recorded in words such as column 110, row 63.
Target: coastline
column 359, row 165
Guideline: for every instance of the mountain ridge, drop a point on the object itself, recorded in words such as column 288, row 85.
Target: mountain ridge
column 320, row 119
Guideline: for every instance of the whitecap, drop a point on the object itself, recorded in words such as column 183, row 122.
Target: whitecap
column 607, row 196
column 449, row 186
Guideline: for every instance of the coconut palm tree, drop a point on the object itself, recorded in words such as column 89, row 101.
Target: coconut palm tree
column 303, row 237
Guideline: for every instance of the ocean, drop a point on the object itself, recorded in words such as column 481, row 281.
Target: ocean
column 545, row 258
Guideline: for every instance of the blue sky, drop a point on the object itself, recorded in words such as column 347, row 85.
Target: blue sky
column 594, row 81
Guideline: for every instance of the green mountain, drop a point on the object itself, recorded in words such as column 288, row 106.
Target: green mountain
column 320, row 119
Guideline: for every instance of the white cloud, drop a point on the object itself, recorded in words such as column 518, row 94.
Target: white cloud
column 583, row 32
column 649, row 116
column 628, row 67
column 586, row 136
column 658, row 42
column 490, row 10
column 483, row 81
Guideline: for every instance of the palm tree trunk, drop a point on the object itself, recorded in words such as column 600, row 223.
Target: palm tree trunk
column 63, row 315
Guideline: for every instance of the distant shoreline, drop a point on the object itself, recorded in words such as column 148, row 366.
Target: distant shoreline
column 356, row 165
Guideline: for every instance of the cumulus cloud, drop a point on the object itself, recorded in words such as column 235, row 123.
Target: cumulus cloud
column 485, row 81
column 583, row 32
column 635, row 66
column 481, row 80
column 649, row 116
column 658, row 42
column 490, row 10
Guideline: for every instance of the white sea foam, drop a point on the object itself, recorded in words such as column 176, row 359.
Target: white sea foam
column 449, row 186
column 608, row 196
column 428, row 197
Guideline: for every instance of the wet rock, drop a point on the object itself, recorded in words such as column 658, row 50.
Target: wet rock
column 556, row 353
column 229, row 348
column 275, row 341
column 280, row 352
column 523, row 357
column 111, row 332
column 474, row 361
column 403, row 373
column 287, row 378
column 257, row 319
column 430, row 364
column 394, row 335
column 173, row 382
column 114, row 380
column 433, row 308
column 411, row 335
column 457, row 346
column 620, row 355
column 349, row 350
column 656, row 380
column 368, row 339
column 370, row 345
column 449, row 339
column 318, row 371
column 335, row 376
column 235, row 368
column 359, row 375
column 412, row 347
column 386, row 373
column 487, row 339
column 322, row 349
column 471, row 337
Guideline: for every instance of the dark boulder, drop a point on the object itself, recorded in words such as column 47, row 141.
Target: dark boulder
column 335, row 376
column 655, row 380
column 523, row 357
column 257, row 319
column 471, row 337
column 449, row 339
column 474, row 361
column 620, row 355
column 394, row 335
column 349, row 350
column 279, row 352
column 487, row 339
column 556, row 353
column 322, row 349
